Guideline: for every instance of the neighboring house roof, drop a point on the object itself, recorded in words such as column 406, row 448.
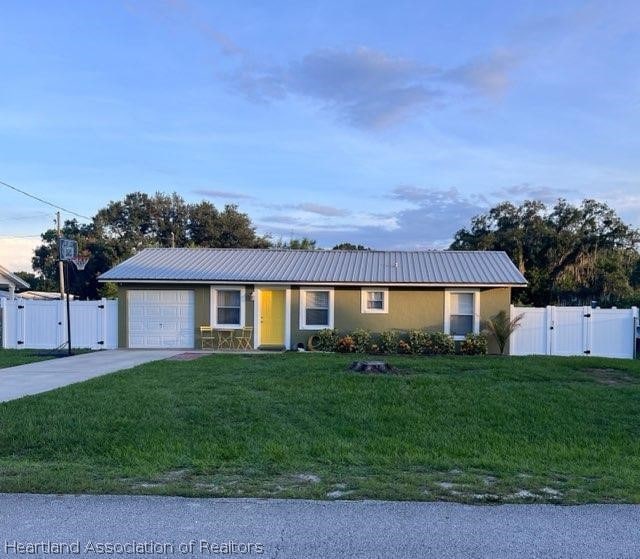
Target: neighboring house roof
column 7, row 278
column 317, row 267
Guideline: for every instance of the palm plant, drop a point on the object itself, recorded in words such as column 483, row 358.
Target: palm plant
column 501, row 326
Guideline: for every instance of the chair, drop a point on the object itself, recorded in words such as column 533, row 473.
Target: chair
column 207, row 338
column 243, row 340
column 225, row 339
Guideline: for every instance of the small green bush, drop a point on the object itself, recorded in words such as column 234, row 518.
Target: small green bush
column 438, row 343
column 417, row 341
column 361, row 340
column 474, row 344
column 430, row 343
column 346, row 345
column 326, row 340
column 388, row 342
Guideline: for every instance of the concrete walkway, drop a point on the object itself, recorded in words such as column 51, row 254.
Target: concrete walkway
column 297, row 529
column 34, row 378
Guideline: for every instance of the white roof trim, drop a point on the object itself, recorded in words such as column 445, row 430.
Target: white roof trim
column 13, row 279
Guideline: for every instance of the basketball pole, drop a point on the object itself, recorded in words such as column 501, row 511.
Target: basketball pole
column 60, row 263
column 68, row 310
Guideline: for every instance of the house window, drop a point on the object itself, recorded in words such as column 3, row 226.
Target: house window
column 374, row 300
column 228, row 307
column 316, row 309
column 462, row 309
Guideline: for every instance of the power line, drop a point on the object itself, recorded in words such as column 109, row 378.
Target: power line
column 44, row 201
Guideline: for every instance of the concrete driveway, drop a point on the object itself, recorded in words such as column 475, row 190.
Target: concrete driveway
column 34, row 378
column 296, row 529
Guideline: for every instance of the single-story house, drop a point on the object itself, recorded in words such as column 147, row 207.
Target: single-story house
column 10, row 282
column 166, row 294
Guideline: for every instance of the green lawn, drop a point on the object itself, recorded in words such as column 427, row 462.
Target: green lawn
column 474, row 429
column 13, row 357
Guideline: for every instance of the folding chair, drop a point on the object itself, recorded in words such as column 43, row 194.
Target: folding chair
column 243, row 340
column 207, row 338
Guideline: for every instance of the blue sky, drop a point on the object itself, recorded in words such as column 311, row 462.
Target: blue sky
column 385, row 123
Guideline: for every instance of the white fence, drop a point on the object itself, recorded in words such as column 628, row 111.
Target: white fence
column 43, row 324
column 575, row 331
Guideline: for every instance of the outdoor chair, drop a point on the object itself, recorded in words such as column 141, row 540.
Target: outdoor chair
column 225, row 339
column 207, row 337
column 243, row 340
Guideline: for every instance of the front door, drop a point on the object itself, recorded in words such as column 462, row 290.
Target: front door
column 272, row 317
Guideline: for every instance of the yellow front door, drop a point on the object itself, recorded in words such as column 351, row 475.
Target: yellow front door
column 272, row 311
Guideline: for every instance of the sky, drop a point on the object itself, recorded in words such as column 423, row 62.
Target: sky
column 389, row 124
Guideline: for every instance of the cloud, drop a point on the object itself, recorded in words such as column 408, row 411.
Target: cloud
column 366, row 88
column 179, row 13
column 526, row 191
column 327, row 211
column 267, row 220
column 212, row 193
column 16, row 253
column 489, row 76
column 370, row 89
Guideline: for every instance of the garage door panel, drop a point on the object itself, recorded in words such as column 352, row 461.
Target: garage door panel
column 161, row 318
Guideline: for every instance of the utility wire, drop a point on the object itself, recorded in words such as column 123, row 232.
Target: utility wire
column 45, row 201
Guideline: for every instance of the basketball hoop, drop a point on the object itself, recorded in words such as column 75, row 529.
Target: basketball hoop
column 80, row 262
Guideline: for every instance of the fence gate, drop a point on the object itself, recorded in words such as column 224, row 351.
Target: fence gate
column 38, row 324
column 574, row 331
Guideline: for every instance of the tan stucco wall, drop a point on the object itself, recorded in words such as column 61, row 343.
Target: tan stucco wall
column 409, row 308
column 491, row 302
column 202, row 295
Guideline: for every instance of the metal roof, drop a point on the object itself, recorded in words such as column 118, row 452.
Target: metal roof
column 7, row 278
column 317, row 266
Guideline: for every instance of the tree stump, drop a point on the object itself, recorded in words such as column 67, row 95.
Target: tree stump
column 370, row 367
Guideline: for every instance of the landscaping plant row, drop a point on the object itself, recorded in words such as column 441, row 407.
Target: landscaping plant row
column 414, row 342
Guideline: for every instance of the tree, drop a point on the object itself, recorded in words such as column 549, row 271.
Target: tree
column 138, row 221
column 349, row 246
column 567, row 253
column 36, row 283
column 298, row 244
column 501, row 326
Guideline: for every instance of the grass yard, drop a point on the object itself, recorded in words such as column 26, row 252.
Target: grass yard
column 13, row 357
column 471, row 429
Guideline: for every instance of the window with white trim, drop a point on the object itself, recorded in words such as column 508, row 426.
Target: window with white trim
column 374, row 300
column 462, row 309
column 316, row 309
column 228, row 307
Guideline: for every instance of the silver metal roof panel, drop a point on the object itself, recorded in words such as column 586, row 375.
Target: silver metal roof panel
column 317, row 266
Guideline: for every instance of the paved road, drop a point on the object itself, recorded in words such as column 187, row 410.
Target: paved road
column 33, row 378
column 299, row 529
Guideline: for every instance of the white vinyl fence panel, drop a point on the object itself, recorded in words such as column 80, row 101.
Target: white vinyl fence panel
column 575, row 331
column 38, row 324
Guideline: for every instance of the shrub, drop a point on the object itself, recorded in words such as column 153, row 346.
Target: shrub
column 361, row 340
column 438, row 343
column 404, row 347
column 346, row 345
column 474, row 344
column 388, row 342
column 325, row 340
column 501, row 326
column 417, row 341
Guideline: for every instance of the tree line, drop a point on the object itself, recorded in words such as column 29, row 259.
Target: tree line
column 569, row 254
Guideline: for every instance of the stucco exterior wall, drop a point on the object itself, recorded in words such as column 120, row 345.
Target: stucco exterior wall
column 409, row 308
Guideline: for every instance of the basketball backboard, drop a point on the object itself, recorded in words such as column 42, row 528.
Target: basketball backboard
column 68, row 248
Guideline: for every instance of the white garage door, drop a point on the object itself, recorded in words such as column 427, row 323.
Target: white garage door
column 160, row 319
